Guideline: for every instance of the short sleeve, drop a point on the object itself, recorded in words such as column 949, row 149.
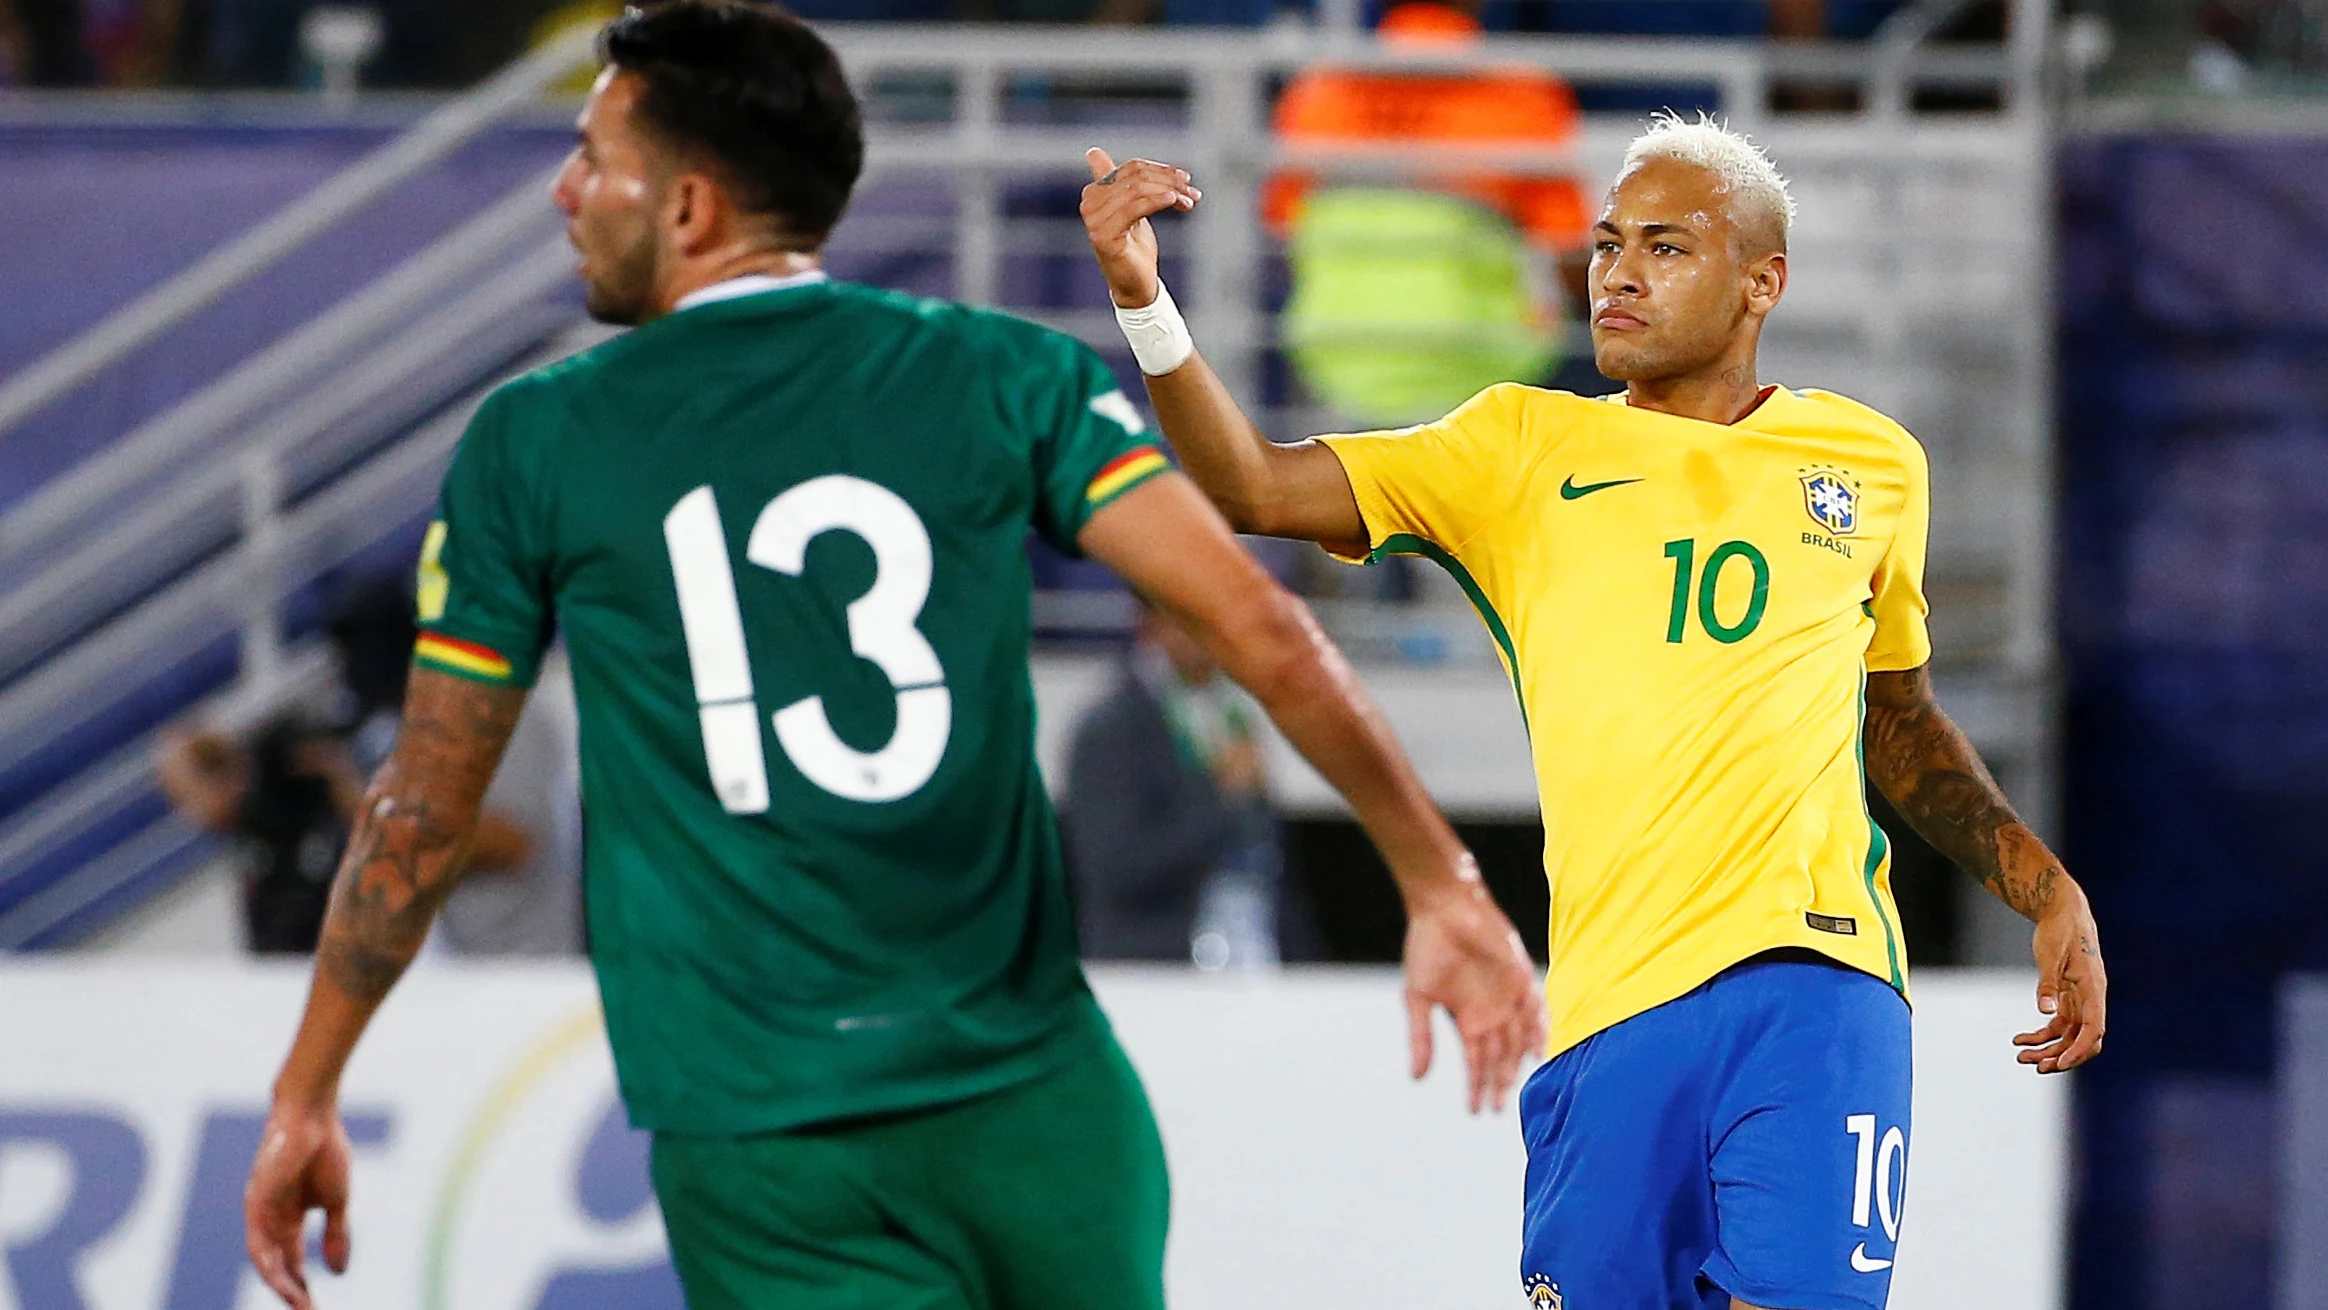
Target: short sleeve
column 1443, row 482
column 485, row 611
column 1091, row 448
column 1901, row 640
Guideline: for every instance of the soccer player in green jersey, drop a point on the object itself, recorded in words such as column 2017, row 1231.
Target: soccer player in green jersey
column 781, row 527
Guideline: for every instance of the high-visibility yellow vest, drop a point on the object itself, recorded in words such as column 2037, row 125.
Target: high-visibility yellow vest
column 1407, row 303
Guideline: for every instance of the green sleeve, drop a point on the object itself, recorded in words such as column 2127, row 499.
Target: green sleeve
column 1091, row 444
column 485, row 610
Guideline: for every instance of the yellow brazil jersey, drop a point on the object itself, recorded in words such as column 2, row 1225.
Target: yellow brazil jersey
column 1689, row 611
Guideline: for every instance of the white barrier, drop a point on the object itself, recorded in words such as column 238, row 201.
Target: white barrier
column 494, row 1172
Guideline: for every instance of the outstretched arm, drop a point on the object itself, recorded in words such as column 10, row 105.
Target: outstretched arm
column 1461, row 952
column 410, row 839
column 1933, row 777
column 1296, row 490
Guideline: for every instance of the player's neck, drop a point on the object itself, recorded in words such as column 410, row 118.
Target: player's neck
column 727, row 267
column 1723, row 394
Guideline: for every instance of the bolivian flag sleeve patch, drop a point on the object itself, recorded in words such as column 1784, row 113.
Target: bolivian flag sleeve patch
column 466, row 658
column 1125, row 472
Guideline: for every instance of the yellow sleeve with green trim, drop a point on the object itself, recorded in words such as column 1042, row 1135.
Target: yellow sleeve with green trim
column 1443, row 482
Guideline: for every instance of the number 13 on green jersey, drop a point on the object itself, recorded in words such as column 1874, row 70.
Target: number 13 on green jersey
column 784, row 538
column 881, row 629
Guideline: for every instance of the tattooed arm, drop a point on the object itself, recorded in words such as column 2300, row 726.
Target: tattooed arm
column 1931, row 775
column 411, row 837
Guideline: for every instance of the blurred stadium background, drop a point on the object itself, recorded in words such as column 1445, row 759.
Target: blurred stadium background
column 261, row 257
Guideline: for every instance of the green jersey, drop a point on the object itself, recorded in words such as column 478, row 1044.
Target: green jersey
column 783, row 535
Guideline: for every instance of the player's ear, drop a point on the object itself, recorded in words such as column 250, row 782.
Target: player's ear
column 1765, row 282
column 692, row 209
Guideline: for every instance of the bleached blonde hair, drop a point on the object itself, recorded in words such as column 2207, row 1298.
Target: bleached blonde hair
column 1747, row 175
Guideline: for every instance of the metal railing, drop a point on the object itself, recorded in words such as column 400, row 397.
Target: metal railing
column 1884, row 296
column 266, row 245
column 208, row 482
column 295, row 547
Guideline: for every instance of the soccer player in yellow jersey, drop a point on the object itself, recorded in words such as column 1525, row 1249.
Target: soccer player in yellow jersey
column 1708, row 592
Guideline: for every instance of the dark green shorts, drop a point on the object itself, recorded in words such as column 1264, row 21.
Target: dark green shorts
column 1047, row 1196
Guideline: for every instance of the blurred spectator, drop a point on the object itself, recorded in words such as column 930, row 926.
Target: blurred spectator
column 1223, row 12
column 46, row 42
column 529, row 902
column 287, row 796
column 1405, row 300
column 1805, row 20
column 456, row 42
column 425, row 43
column 1515, row 106
column 1175, row 851
column 131, row 43
column 2237, row 43
column 1058, row 11
column 523, row 891
column 1217, row 13
column 248, row 43
column 1798, row 20
column 12, row 72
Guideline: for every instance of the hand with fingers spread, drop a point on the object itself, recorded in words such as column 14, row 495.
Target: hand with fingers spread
column 1462, row 955
column 2072, row 988
column 302, row 1165
column 1116, row 208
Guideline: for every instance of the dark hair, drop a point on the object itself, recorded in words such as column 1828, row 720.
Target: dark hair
column 758, row 94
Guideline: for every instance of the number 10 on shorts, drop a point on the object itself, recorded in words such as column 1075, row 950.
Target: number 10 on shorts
column 1880, row 1181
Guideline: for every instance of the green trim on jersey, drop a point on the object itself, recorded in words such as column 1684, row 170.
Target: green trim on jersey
column 1406, row 543
column 1878, row 848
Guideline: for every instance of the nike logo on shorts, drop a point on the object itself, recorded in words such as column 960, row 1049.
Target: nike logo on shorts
column 1866, row 1264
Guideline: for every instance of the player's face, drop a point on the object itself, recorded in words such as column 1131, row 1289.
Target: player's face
column 610, row 189
column 1670, row 292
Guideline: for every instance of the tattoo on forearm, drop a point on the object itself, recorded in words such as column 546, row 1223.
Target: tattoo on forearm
column 413, row 831
column 1933, row 777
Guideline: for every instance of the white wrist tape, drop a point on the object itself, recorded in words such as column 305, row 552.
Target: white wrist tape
column 1159, row 335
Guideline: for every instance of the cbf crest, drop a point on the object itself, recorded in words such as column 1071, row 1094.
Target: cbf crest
column 1543, row 1293
column 1831, row 497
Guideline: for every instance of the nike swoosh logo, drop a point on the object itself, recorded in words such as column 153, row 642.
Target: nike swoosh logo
column 1865, row 1263
column 1570, row 491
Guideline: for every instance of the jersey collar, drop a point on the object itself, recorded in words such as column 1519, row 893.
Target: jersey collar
column 1774, row 396
column 750, row 284
column 1770, row 394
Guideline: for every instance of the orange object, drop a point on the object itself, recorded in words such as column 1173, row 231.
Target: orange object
column 1518, row 106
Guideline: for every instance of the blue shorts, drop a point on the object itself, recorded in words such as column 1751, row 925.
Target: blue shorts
column 1748, row 1139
